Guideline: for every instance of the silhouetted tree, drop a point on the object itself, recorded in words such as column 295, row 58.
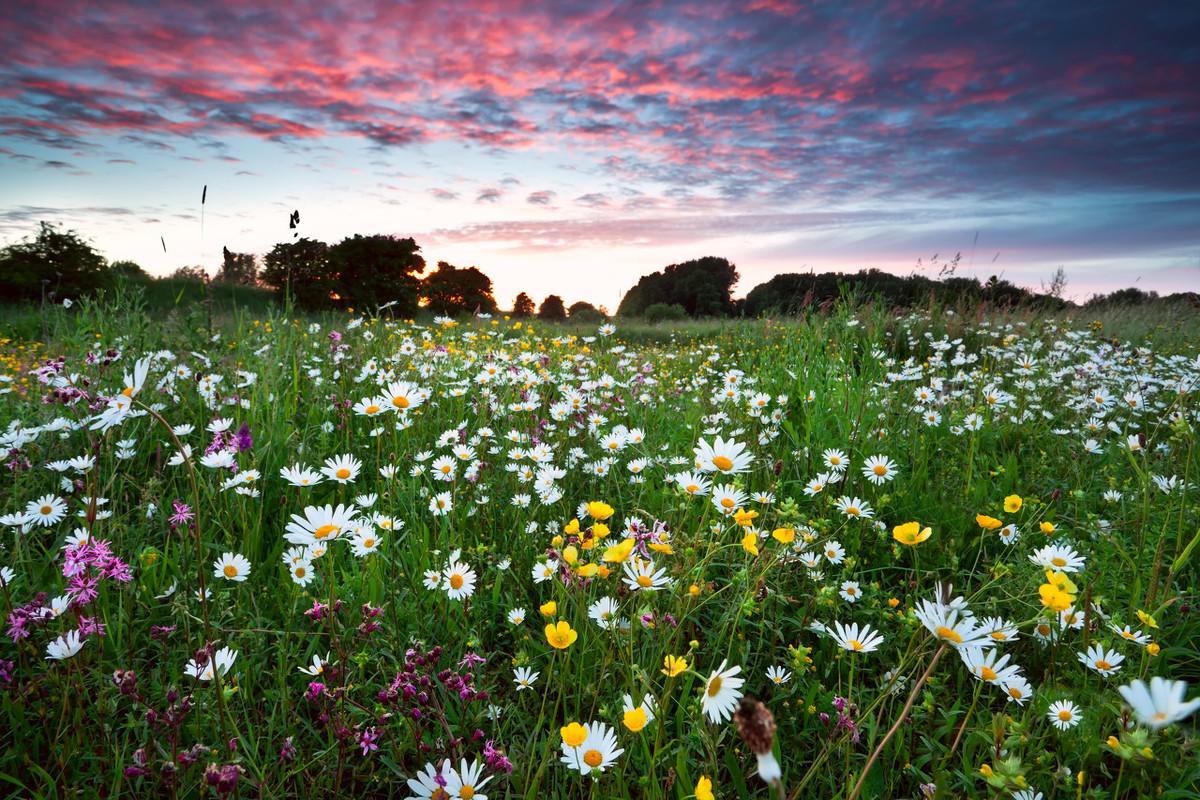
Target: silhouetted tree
column 54, row 262
column 583, row 311
column 127, row 269
column 451, row 290
column 239, row 268
column 552, row 309
column 371, row 271
column 191, row 273
column 523, row 306
column 301, row 269
column 703, row 286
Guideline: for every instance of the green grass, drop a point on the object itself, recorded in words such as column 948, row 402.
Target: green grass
column 846, row 381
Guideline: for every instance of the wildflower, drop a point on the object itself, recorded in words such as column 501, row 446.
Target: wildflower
column 524, row 678
column 911, row 533
column 1012, row 504
column 64, row 646
column 1056, row 557
column 704, row 788
column 599, row 511
column 673, row 666
column 987, row 523
column 430, row 783
column 219, row 662
column 1105, row 662
column 597, row 751
column 721, row 693
column 1058, row 593
column 727, row 457
column 47, row 510
column 319, row 524
column 1159, row 704
column 778, row 675
column 516, row 616
column 640, row 575
column 836, row 460
column 850, row 591
column 1063, row 714
column 1147, row 619
column 750, row 542
column 856, row 639
column 232, row 566
column 343, row 468
column 441, row 504
column 548, row 609
column 560, row 635
column 459, row 581
column 636, row 717
column 466, row 783
column 1047, row 527
column 854, row 508
column 879, row 469
column 784, row 535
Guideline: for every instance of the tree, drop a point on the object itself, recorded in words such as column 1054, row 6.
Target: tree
column 192, row 273
column 451, row 290
column 128, row 269
column 239, row 268
column 54, row 264
column 703, row 286
column 552, row 309
column 523, row 306
column 583, row 311
column 372, row 271
column 300, row 269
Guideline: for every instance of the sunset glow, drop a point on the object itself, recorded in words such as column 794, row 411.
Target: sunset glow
column 571, row 147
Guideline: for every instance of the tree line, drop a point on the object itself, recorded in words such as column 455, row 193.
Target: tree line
column 385, row 272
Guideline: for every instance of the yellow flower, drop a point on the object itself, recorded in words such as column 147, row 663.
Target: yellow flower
column 1054, row 598
column 784, row 535
column 599, row 511
column 987, row 523
column 560, row 636
column 750, row 543
column 1047, row 527
column 635, row 719
column 1147, row 620
column 589, row 570
column 911, row 533
column 573, row 734
column 694, row 590
column 570, row 554
column 1152, row 648
column 1061, row 580
column 1113, row 742
column 1013, row 503
column 704, row 788
column 986, row 771
column 893, row 602
column 599, row 530
column 572, row 527
column 549, row 608
column 619, row 552
column 673, row 665
column 744, row 518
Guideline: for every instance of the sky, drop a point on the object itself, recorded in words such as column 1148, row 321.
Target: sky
column 571, row 147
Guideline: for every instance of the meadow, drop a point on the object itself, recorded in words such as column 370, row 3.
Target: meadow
column 858, row 555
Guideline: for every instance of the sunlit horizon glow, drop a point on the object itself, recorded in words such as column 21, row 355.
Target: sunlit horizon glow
column 570, row 148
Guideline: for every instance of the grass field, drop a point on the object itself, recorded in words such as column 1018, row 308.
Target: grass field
column 269, row 557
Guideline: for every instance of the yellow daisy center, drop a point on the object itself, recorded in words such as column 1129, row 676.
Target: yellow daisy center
column 714, row 686
column 1102, row 664
column 230, row 571
column 727, row 502
column 1058, row 561
column 456, row 581
column 47, row 510
column 372, row 409
column 1016, row 693
column 593, row 758
column 987, row 673
column 466, row 792
column 855, row 645
column 400, row 401
column 722, row 462
column 645, row 581
column 343, row 473
column 301, row 572
column 325, row 530
column 879, row 469
column 949, row 634
column 1065, row 715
